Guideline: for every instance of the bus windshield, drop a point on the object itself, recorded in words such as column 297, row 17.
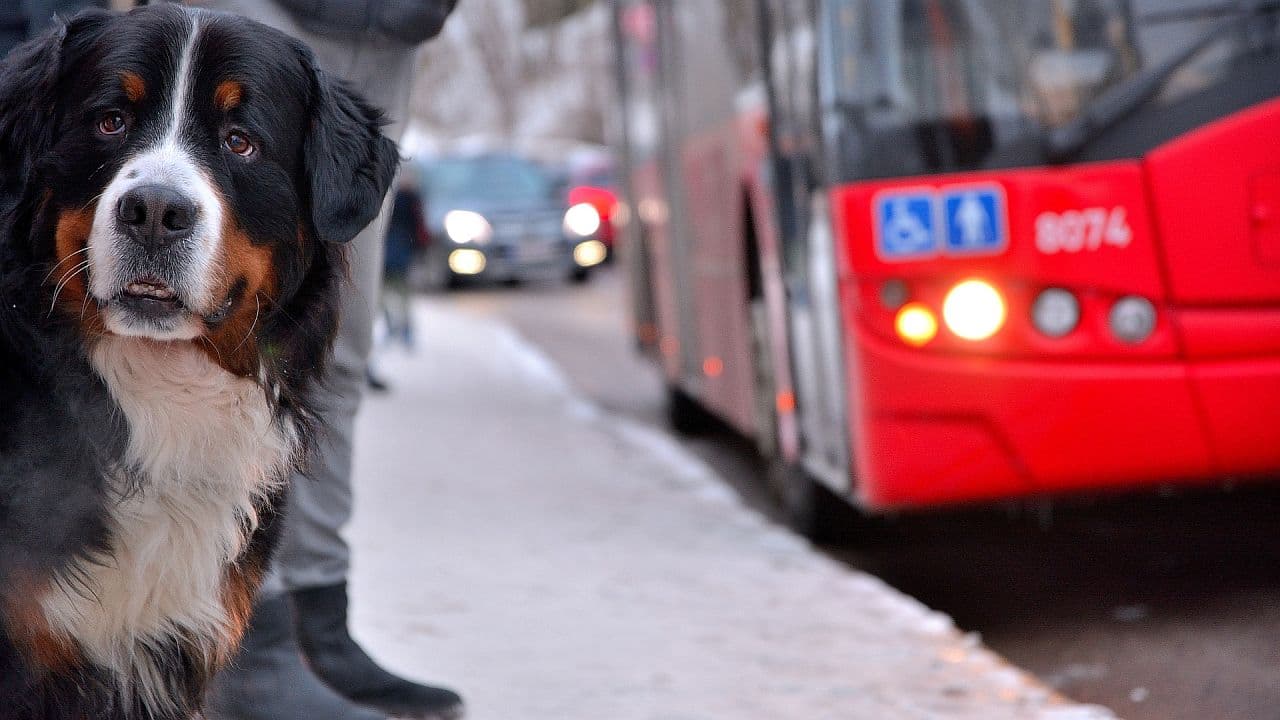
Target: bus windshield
column 943, row 85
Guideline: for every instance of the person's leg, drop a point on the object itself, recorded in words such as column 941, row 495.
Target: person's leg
column 313, row 558
column 398, row 301
column 406, row 307
column 268, row 679
column 312, row 551
column 310, row 572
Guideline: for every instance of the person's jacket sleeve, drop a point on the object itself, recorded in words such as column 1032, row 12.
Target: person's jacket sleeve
column 409, row 21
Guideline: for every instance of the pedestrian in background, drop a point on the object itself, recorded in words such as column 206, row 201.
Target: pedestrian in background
column 406, row 240
column 298, row 660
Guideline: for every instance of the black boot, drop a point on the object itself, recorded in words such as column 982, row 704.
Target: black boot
column 321, row 616
column 268, row 679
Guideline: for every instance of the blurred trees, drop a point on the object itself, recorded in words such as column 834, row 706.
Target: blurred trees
column 517, row 69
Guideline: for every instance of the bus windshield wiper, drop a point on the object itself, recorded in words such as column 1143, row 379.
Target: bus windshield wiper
column 1063, row 143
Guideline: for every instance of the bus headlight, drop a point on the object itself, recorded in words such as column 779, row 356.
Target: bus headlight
column 916, row 324
column 1133, row 319
column 582, row 220
column 465, row 226
column 974, row 310
column 1055, row 313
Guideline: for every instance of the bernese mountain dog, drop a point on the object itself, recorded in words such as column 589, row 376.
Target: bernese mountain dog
column 176, row 187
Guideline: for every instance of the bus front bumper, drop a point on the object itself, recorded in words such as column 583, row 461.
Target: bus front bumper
column 932, row 430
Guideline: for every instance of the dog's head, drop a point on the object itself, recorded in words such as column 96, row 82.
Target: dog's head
column 185, row 176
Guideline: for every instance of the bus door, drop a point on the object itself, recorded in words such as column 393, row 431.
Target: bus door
column 646, row 44
column 630, row 78
column 719, row 369
column 795, row 35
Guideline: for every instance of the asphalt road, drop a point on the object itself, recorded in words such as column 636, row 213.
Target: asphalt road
column 1161, row 607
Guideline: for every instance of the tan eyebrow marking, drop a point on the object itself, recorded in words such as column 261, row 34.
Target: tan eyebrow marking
column 135, row 88
column 227, row 95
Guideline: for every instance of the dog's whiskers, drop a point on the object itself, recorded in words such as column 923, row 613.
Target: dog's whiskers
column 280, row 308
column 204, row 339
column 84, row 305
column 91, row 176
column 60, row 263
column 257, row 310
column 95, row 198
column 64, row 280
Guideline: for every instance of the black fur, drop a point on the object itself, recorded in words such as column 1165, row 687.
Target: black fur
column 319, row 179
column 348, row 176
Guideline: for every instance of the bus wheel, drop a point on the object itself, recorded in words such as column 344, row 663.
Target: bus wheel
column 686, row 414
column 810, row 508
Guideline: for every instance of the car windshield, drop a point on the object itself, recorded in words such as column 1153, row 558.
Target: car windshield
column 488, row 179
column 962, row 80
column 600, row 177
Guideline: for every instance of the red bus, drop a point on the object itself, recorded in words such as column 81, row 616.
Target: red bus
column 930, row 252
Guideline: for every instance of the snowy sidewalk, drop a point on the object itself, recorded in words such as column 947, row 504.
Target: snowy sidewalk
column 552, row 562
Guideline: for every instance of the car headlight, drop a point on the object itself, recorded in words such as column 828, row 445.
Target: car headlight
column 466, row 261
column 582, row 220
column 590, row 253
column 465, row 226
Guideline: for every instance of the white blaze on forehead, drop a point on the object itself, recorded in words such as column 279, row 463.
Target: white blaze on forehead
column 178, row 104
column 168, row 161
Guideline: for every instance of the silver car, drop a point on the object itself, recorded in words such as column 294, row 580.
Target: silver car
column 500, row 216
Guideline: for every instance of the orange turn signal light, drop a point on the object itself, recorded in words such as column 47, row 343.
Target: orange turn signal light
column 713, row 367
column 916, row 324
column 786, row 402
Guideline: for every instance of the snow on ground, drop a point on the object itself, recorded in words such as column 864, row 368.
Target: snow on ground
column 554, row 562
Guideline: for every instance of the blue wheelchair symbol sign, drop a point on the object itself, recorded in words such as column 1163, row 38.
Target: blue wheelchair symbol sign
column 905, row 225
column 975, row 220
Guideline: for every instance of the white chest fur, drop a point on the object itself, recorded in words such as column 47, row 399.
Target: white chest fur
column 205, row 447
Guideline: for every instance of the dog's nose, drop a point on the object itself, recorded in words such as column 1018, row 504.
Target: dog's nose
column 155, row 216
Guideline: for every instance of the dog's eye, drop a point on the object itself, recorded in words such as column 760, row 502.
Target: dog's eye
column 111, row 123
column 237, row 143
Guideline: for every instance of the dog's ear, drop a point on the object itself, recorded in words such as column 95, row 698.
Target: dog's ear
column 29, row 79
column 348, row 161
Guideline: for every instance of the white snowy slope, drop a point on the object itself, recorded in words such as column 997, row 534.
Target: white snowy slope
column 554, row 562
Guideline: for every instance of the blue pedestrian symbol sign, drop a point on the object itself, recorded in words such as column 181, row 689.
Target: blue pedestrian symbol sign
column 905, row 225
column 975, row 220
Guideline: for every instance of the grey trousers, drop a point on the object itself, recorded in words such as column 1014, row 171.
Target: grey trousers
column 312, row 550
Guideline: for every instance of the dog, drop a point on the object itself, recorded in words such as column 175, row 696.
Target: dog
column 176, row 187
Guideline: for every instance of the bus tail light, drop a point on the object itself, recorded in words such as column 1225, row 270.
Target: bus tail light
column 974, row 310
column 916, row 324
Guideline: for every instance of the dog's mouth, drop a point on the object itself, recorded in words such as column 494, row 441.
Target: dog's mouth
column 150, row 289
column 150, row 297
